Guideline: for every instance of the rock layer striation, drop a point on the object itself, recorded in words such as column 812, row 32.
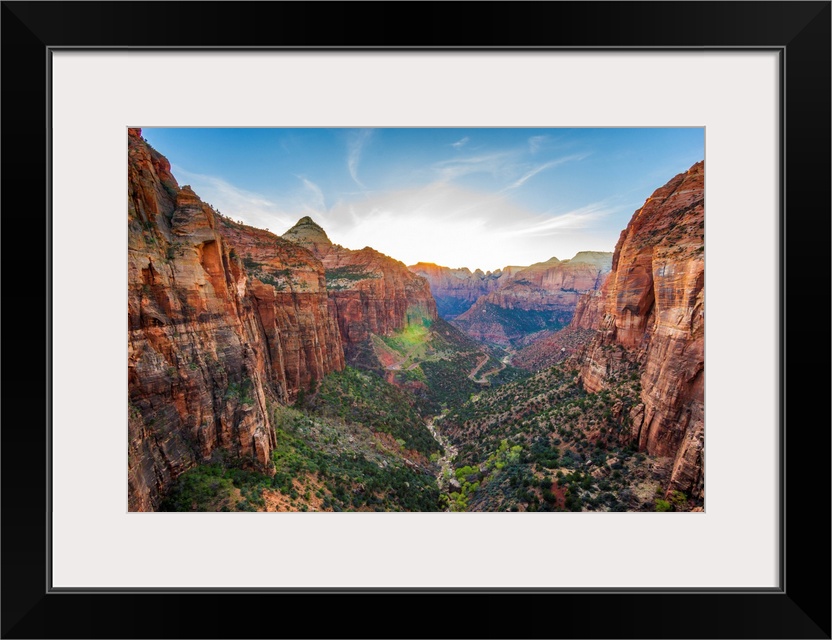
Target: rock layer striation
column 208, row 343
column 540, row 297
column 370, row 292
column 653, row 305
column 455, row 290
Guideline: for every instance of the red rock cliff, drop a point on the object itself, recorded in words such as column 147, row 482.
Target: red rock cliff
column 287, row 287
column 206, row 343
column 550, row 290
column 653, row 306
column 455, row 290
column 371, row 292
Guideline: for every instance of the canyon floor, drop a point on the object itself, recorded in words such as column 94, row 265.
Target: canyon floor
column 444, row 424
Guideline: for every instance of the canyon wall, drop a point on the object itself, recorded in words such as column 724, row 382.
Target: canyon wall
column 207, row 343
column 540, row 297
column 287, row 287
column 455, row 290
column 652, row 304
column 371, row 293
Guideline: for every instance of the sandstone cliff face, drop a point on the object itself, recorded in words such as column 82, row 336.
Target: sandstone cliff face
column 287, row 288
column 539, row 297
column 371, row 292
column 653, row 305
column 205, row 348
column 455, row 290
column 589, row 310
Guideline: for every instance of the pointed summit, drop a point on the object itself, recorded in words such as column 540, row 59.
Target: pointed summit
column 308, row 234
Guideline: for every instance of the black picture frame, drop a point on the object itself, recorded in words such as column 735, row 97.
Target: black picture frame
column 799, row 31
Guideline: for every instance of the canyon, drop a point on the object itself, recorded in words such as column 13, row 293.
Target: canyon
column 223, row 316
column 536, row 298
column 456, row 290
column 292, row 373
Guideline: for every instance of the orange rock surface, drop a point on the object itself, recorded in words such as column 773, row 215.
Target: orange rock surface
column 552, row 287
column 207, row 344
column 653, row 305
column 455, row 290
column 371, row 292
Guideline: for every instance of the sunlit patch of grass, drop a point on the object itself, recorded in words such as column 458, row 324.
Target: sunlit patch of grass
column 413, row 335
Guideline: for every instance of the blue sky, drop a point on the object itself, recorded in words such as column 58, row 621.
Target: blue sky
column 477, row 198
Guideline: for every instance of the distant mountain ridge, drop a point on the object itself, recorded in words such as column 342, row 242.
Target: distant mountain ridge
column 455, row 290
column 506, row 306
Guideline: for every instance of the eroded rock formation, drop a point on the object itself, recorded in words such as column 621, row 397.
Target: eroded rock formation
column 653, row 306
column 207, row 343
column 455, row 290
column 371, row 292
column 540, row 297
column 287, row 287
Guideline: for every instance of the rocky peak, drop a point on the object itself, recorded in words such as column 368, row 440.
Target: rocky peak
column 602, row 259
column 309, row 234
column 221, row 316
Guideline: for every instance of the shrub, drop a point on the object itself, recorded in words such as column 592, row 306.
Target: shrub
column 663, row 505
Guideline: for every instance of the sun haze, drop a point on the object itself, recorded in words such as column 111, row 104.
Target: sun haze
column 476, row 198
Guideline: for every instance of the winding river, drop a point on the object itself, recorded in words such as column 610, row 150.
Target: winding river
column 446, row 462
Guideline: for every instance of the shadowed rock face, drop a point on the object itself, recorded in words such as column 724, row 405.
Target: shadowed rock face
column 455, row 290
column 207, row 343
column 541, row 296
column 371, row 293
column 653, row 305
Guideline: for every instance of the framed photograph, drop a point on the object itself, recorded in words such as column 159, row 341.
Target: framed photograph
column 717, row 547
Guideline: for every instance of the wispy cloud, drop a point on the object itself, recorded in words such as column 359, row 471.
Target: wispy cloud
column 405, row 223
column 580, row 218
column 355, row 145
column 460, row 143
column 316, row 196
column 257, row 209
column 496, row 164
column 478, row 228
column 535, row 142
column 530, row 174
column 546, row 165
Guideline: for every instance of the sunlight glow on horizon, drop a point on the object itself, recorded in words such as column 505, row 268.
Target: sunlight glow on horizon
column 476, row 198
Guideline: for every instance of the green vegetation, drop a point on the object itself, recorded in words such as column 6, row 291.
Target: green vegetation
column 447, row 381
column 678, row 502
column 525, row 442
column 240, row 391
column 364, row 398
column 280, row 279
column 434, row 359
column 663, row 505
column 508, row 374
column 215, row 487
column 342, row 277
column 320, row 464
column 558, row 448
